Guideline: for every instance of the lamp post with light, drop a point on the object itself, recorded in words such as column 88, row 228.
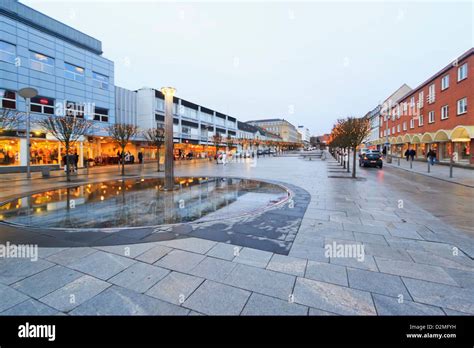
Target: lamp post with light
column 169, row 92
column 27, row 93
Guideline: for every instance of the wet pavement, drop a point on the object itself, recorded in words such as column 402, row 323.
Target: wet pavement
column 416, row 233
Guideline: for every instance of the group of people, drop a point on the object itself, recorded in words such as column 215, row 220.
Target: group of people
column 431, row 155
column 129, row 158
column 410, row 153
column 73, row 162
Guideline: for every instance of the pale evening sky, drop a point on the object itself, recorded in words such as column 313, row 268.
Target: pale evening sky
column 308, row 62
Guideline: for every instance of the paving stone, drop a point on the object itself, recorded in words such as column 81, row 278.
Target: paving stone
column 253, row 257
column 370, row 238
column 308, row 252
column 29, row 308
column 75, row 293
column 262, row 281
column 175, row 287
column 265, row 305
column 119, row 301
column 368, row 263
column 464, row 278
column 102, row 265
column 387, row 252
column 195, row 245
column 441, row 295
column 139, row 277
column 376, row 282
column 44, row 252
column 287, row 264
column 405, row 234
column 209, row 299
column 154, row 254
column 179, row 260
column 44, row 282
column 365, row 228
column 326, row 272
column 10, row 297
column 214, row 269
column 15, row 269
column 318, row 312
column 127, row 250
column 415, row 270
column 390, row 306
column 459, row 262
column 451, row 312
column 70, row 255
column 224, row 251
column 333, row 298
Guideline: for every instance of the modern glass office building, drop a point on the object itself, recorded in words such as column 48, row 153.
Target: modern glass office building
column 67, row 69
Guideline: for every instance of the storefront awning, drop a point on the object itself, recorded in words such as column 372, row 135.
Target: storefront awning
column 462, row 133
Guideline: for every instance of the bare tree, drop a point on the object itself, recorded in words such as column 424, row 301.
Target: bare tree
column 156, row 136
column 67, row 130
column 121, row 134
column 10, row 119
column 229, row 141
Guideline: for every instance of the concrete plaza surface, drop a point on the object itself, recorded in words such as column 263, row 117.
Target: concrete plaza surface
column 417, row 233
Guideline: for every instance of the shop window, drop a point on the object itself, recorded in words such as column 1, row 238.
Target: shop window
column 462, row 106
column 44, row 152
column 7, row 52
column 9, row 152
column 42, row 105
column 444, row 112
column 8, row 99
column 73, row 72
column 101, row 115
column 100, row 81
column 41, row 62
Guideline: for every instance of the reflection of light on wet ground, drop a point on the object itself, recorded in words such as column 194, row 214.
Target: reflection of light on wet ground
column 140, row 202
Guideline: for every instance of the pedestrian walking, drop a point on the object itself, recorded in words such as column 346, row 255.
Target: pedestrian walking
column 140, row 157
column 412, row 154
column 76, row 161
column 407, row 154
column 224, row 157
column 431, row 155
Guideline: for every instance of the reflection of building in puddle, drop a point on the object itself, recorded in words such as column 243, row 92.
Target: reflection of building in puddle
column 142, row 202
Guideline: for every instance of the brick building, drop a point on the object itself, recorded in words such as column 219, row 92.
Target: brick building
column 435, row 115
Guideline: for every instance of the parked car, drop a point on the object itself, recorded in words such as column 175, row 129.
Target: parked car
column 371, row 159
column 259, row 152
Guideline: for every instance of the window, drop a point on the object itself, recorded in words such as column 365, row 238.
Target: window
column 398, row 111
column 74, row 109
column 398, row 128
column 7, row 52
column 100, row 81
column 420, row 99
column 43, row 105
column 420, row 121
column 444, row 112
column 462, row 72
column 73, row 72
column 445, row 82
column 101, row 115
column 462, row 106
column 41, row 62
column 412, row 102
column 431, row 117
column 388, row 131
column 160, row 104
column 405, row 126
column 393, row 130
column 405, row 107
column 8, row 99
column 431, row 94
column 412, row 123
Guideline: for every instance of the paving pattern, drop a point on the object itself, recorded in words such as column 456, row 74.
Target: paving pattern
column 414, row 263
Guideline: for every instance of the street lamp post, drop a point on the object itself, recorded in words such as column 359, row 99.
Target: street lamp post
column 169, row 158
column 28, row 93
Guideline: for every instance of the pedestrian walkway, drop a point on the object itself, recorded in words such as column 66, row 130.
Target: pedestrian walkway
column 462, row 176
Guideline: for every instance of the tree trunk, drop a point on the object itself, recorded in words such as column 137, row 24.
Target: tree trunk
column 123, row 160
column 68, row 175
column 158, row 158
column 354, row 164
column 348, row 160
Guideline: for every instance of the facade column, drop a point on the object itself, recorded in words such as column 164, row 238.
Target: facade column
column 81, row 155
column 23, row 152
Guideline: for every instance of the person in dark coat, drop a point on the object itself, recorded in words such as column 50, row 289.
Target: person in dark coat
column 407, row 154
column 431, row 155
column 412, row 154
column 140, row 157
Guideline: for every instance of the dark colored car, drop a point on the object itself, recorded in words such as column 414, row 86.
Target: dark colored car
column 371, row 159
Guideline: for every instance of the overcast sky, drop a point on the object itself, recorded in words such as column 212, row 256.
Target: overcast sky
column 308, row 62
